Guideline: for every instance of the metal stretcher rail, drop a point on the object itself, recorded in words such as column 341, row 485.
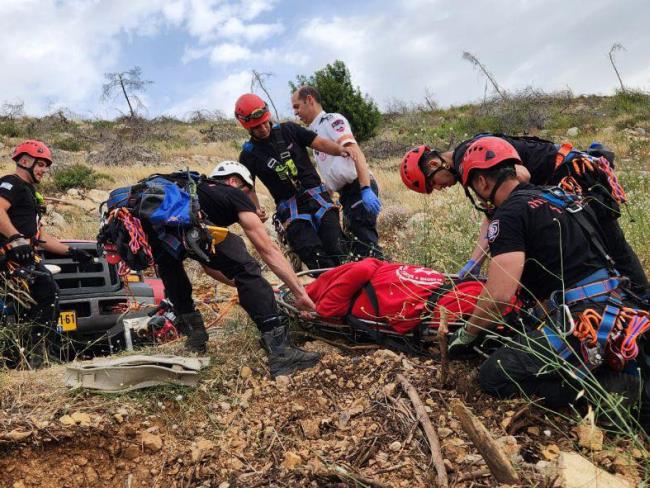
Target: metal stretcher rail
column 284, row 300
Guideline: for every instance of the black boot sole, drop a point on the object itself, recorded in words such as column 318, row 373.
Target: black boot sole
column 299, row 366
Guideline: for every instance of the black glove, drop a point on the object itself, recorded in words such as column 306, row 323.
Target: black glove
column 20, row 250
column 80, row 256
column 461, row 344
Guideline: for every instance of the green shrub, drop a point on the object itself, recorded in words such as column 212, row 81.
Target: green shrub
column 76, row 176
column 69, row 144
column 339, row 95
column 10, row 129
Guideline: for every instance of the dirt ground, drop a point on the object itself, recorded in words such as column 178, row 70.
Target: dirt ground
column 346, row 422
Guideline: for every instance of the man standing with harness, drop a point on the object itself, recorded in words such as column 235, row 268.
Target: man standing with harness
column 352, row 179
column 21, row 209
column 549, row 249
column 277, row 154
column 541, row 163
column 224, row 201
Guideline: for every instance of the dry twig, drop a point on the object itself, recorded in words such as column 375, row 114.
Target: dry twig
column 496, row 459
column 429, row 431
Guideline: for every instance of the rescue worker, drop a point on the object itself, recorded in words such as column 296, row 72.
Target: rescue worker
column 549, row 249
column 277, row 154
column 542, row 163
column 21, row 234
column 223, row 198
column 351, row 178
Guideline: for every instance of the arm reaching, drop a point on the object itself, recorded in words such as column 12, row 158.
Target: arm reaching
column 272, row 256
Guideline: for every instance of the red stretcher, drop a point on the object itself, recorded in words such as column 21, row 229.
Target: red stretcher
column 393, row 304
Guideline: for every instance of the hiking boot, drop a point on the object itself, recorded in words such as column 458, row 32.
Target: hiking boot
column 284, row 357
column 197, row 336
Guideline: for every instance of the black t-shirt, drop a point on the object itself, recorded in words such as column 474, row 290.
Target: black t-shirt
column 222, row 203
column 557, row 249
column 260, row 157
column 537, row 156
column 23, row 212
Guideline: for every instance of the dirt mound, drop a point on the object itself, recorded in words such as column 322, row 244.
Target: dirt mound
column 346, row 422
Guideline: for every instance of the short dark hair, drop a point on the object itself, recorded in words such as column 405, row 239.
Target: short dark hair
column 306, row 90
column 505, row 170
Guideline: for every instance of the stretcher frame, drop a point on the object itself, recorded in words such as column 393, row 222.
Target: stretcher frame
column 424, row 334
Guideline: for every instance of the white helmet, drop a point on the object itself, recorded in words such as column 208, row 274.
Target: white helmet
column 228, row 168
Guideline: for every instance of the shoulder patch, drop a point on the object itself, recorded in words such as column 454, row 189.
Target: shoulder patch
column 338, row 125
column 247, row 146
column 324, row 118
column 6, row 185
column 493, row 230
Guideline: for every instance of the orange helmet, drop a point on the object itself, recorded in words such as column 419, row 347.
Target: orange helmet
column 35, row 149
column 416, row 175
column 251, row 111
column 484, row 153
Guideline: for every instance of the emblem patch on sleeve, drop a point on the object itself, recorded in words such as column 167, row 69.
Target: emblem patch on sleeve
column 493, row 231
column 6, row 185
column 338, row 125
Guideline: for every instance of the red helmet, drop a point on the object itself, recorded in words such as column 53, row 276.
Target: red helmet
column 35, row 149
column 485, row 153
column 410, row 170
column 251, row 111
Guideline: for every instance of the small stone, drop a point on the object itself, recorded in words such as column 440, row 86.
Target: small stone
column 282, row 381
column 83, row 419
column 291, row 461
column 245, row 372
column 152, row 442
column 131, row 452
column 81, row 461
column 533, row 430
column 550, row 452
column 640, row 130
column 389, row 389
column 444, row 432
column 225, row 484
column 589, row 436
column 200, row 449
column 67, row 420
column 91, row 475
column 119, row 418
column 395, row 446
column 572, row 132
column 509, row 445
column 310, row 428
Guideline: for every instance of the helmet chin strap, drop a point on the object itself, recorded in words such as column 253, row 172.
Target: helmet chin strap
column 30, row 170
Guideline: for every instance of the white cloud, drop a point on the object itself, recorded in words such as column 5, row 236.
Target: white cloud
column 217, row 95
column 229, row 53
column 398, row 50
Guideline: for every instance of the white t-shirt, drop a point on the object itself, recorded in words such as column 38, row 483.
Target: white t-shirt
column 335, row 171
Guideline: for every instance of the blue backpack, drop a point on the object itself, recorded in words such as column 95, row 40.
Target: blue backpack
column 167, row 202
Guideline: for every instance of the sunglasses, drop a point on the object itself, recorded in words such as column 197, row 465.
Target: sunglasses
column 258, row 113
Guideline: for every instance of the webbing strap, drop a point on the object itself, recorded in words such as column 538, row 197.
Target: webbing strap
column 610, row 314
column 591, row 291
column 563, row 151
column 292, row 205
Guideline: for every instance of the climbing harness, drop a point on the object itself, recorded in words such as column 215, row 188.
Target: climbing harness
column 287, row 210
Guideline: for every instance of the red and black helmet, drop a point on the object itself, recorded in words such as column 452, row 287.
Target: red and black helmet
column 417, row 175
column 412, row 176
column 251, row 111
column 485, row 153
column 33, row 148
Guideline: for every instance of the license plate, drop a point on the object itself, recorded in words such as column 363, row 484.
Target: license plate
column 68, row 321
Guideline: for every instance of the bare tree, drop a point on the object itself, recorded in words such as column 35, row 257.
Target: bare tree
column 475, row 61
column 430, row 100
column 13, row 110
column 257, row 79
column 130, row 83
column 616, row 47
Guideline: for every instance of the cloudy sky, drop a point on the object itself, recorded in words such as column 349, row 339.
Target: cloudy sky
column 199, row 53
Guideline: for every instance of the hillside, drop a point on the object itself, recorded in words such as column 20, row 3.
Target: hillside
column 346, row 422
